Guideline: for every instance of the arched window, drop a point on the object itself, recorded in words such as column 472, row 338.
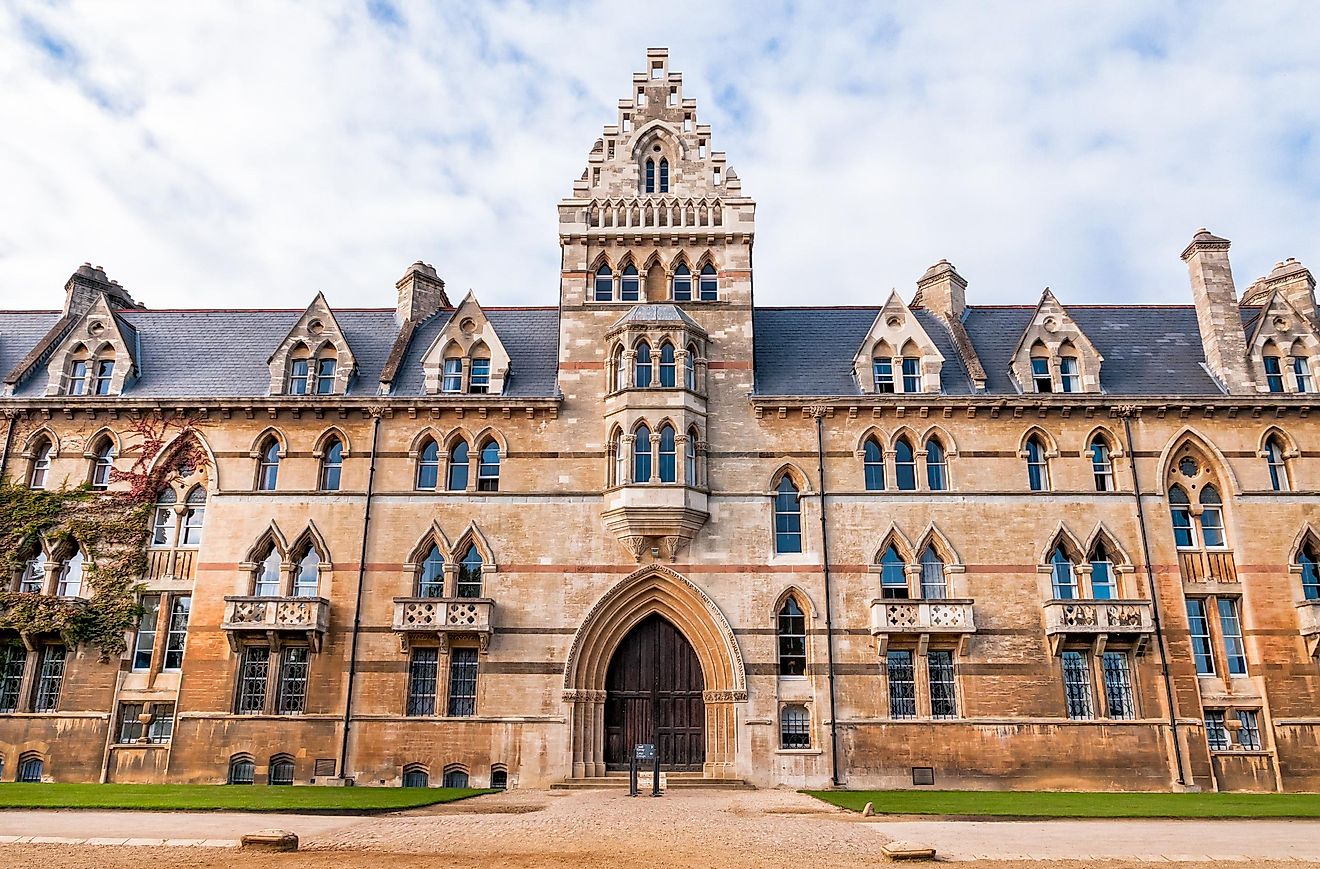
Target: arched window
column 873, row 466
column 682, row 283
column 650, row 175
column 620, row 459
column 457, row 478
column 33, row 580
column 788, row 517
column 668, row 370
column 1212, row 517
column 103, row 462
column 307, row 575
column 630, row 285
column 41, row 456
column 642, row 455
column 1277, row 466
column 708, row 284
column 794, row 726
column 162, row 521
column 1062, row 575
column 281, row 770
column 1102, row 466
column 619, row 368
column 332, row 465
column 431, row 578
column 194, row 516
column 415, row 776
column 893, row 575
column 1040, row 369
column 1273, row 371
column 325, row 371
column 452, row 381
column 934, row 581
column 1070, row 374
column 668, row 455
column 428, row 465
column 469, row 573
column 690, row 368
column 499, row 778
column 488, row 468
column 1184, row 531
column 642, row 366
column 1104, row 585
column 71, row 575
column 455, row 778
column 299, row 371
column 268, row 464
column 103, row 373
column 1309, row 560
column 905, row 465
column 664, row 175
column 792, row 633
column 1038, row 471
column 30, row 769
column 690, row 474
column 75, row 375
column 1301, row 369
column 604, row 284
column 267, row 580
column 479, row 372
column 242, row 770
column 937, row 470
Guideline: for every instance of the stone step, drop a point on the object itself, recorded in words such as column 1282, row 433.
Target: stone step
column 673, row 781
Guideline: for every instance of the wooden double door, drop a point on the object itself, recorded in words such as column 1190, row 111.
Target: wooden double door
column 653, row 694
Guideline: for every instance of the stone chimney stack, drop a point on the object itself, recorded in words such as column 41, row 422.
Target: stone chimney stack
column 1217, row 314
column 941, row 290
column 1297, row 285
column 87, row 283
column 421, row 293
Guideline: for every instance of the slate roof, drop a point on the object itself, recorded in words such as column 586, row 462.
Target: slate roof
column 530, row 336
column 1147, row 350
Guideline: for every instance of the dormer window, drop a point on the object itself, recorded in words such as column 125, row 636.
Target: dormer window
column 630, row 284
column 1040, row 374
column 1301, row 368
column 104, row 372
column 682, row 290
column 1070, row 377
column 911, row 374
column 883, row 370
column 325, row 374
column 605, row 284
column 299, row 371
column 1273, row 374
column 75, row 380
column 479, row 376
column 453, row 382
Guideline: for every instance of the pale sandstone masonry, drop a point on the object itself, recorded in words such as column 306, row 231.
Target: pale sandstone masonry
column 576, row 549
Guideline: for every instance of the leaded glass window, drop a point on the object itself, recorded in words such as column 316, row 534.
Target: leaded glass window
column 462, row 683
column 1077, row 685
column 902, row 684
column 943, row 690
column 422, row 674
column 1118, row 685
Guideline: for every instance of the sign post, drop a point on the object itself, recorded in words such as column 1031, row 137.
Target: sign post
column 643, row 752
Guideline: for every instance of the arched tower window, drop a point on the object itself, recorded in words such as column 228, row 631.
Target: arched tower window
column 708, row 285
column 1102, row 465
column 332, row 465
column 937, row 468
column 668, row 369
column 791, row 629
column 668, row 454
column 1278, row 467
column 642, row 455
column 604, row 284
column 629, row 284
column 649, row 169
column 788, row 517
column 642, row 366
column 1038, row 469
column 664, row 175
column 905, row 465
column 682, row 289
column 488, row 468
column 873, row 466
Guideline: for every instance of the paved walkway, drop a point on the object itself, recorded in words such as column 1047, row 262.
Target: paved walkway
column 684, row 828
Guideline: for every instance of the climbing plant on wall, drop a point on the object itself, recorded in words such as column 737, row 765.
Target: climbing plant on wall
column 112, row 528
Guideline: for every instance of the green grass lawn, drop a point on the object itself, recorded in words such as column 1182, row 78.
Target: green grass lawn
column 1037, row 804
column 247, row 798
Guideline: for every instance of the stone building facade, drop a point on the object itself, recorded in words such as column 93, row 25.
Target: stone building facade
column 919, row 542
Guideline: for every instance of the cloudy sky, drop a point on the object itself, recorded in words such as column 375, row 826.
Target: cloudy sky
column 250, row 153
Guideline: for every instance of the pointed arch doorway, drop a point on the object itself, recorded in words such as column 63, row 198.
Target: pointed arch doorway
column 654, row 694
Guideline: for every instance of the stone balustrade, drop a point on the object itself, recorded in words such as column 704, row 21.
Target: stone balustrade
column 444, row 617
column 1104, row 621
column 921, row 619
column 276, row 617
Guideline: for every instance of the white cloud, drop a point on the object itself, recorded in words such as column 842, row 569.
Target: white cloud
column 249, row 154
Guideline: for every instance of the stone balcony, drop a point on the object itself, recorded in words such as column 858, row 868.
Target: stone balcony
column 1308, row 619
column 922, row 620
column 1129, row 623
column 663, row 515
column 276, row 619
column 443, row 618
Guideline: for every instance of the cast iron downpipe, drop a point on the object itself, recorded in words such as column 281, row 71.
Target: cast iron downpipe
column 1126, row 414
column 357, row 603
column 819, row 413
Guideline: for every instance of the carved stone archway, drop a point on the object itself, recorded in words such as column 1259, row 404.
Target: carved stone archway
column 654, row 589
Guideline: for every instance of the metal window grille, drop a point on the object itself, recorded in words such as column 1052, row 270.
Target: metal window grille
column 242, row 772
column 902, row 685
column 1118, row 685
column 130, row 727
column 292, row 695
column 422, row 682
column 792, row 640
column 1249, row 732
column 178, row 632
column 943, row 690
column 281, row 773
column 415, row 778
column 1199, row 627
column 145, row 643
column 794, row 727
column 252, row 680
column 462, row 683
column 1216, row 734
column 455, row 778
column 49, row 679
column 13, row 658
column 31, row 769
column 1077, row 685
column 1230, row 624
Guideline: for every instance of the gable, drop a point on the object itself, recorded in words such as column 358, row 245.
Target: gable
column 1052, row 334
column 315, row 335
column 897, row 333
column 469, row 334
column 98, row 337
